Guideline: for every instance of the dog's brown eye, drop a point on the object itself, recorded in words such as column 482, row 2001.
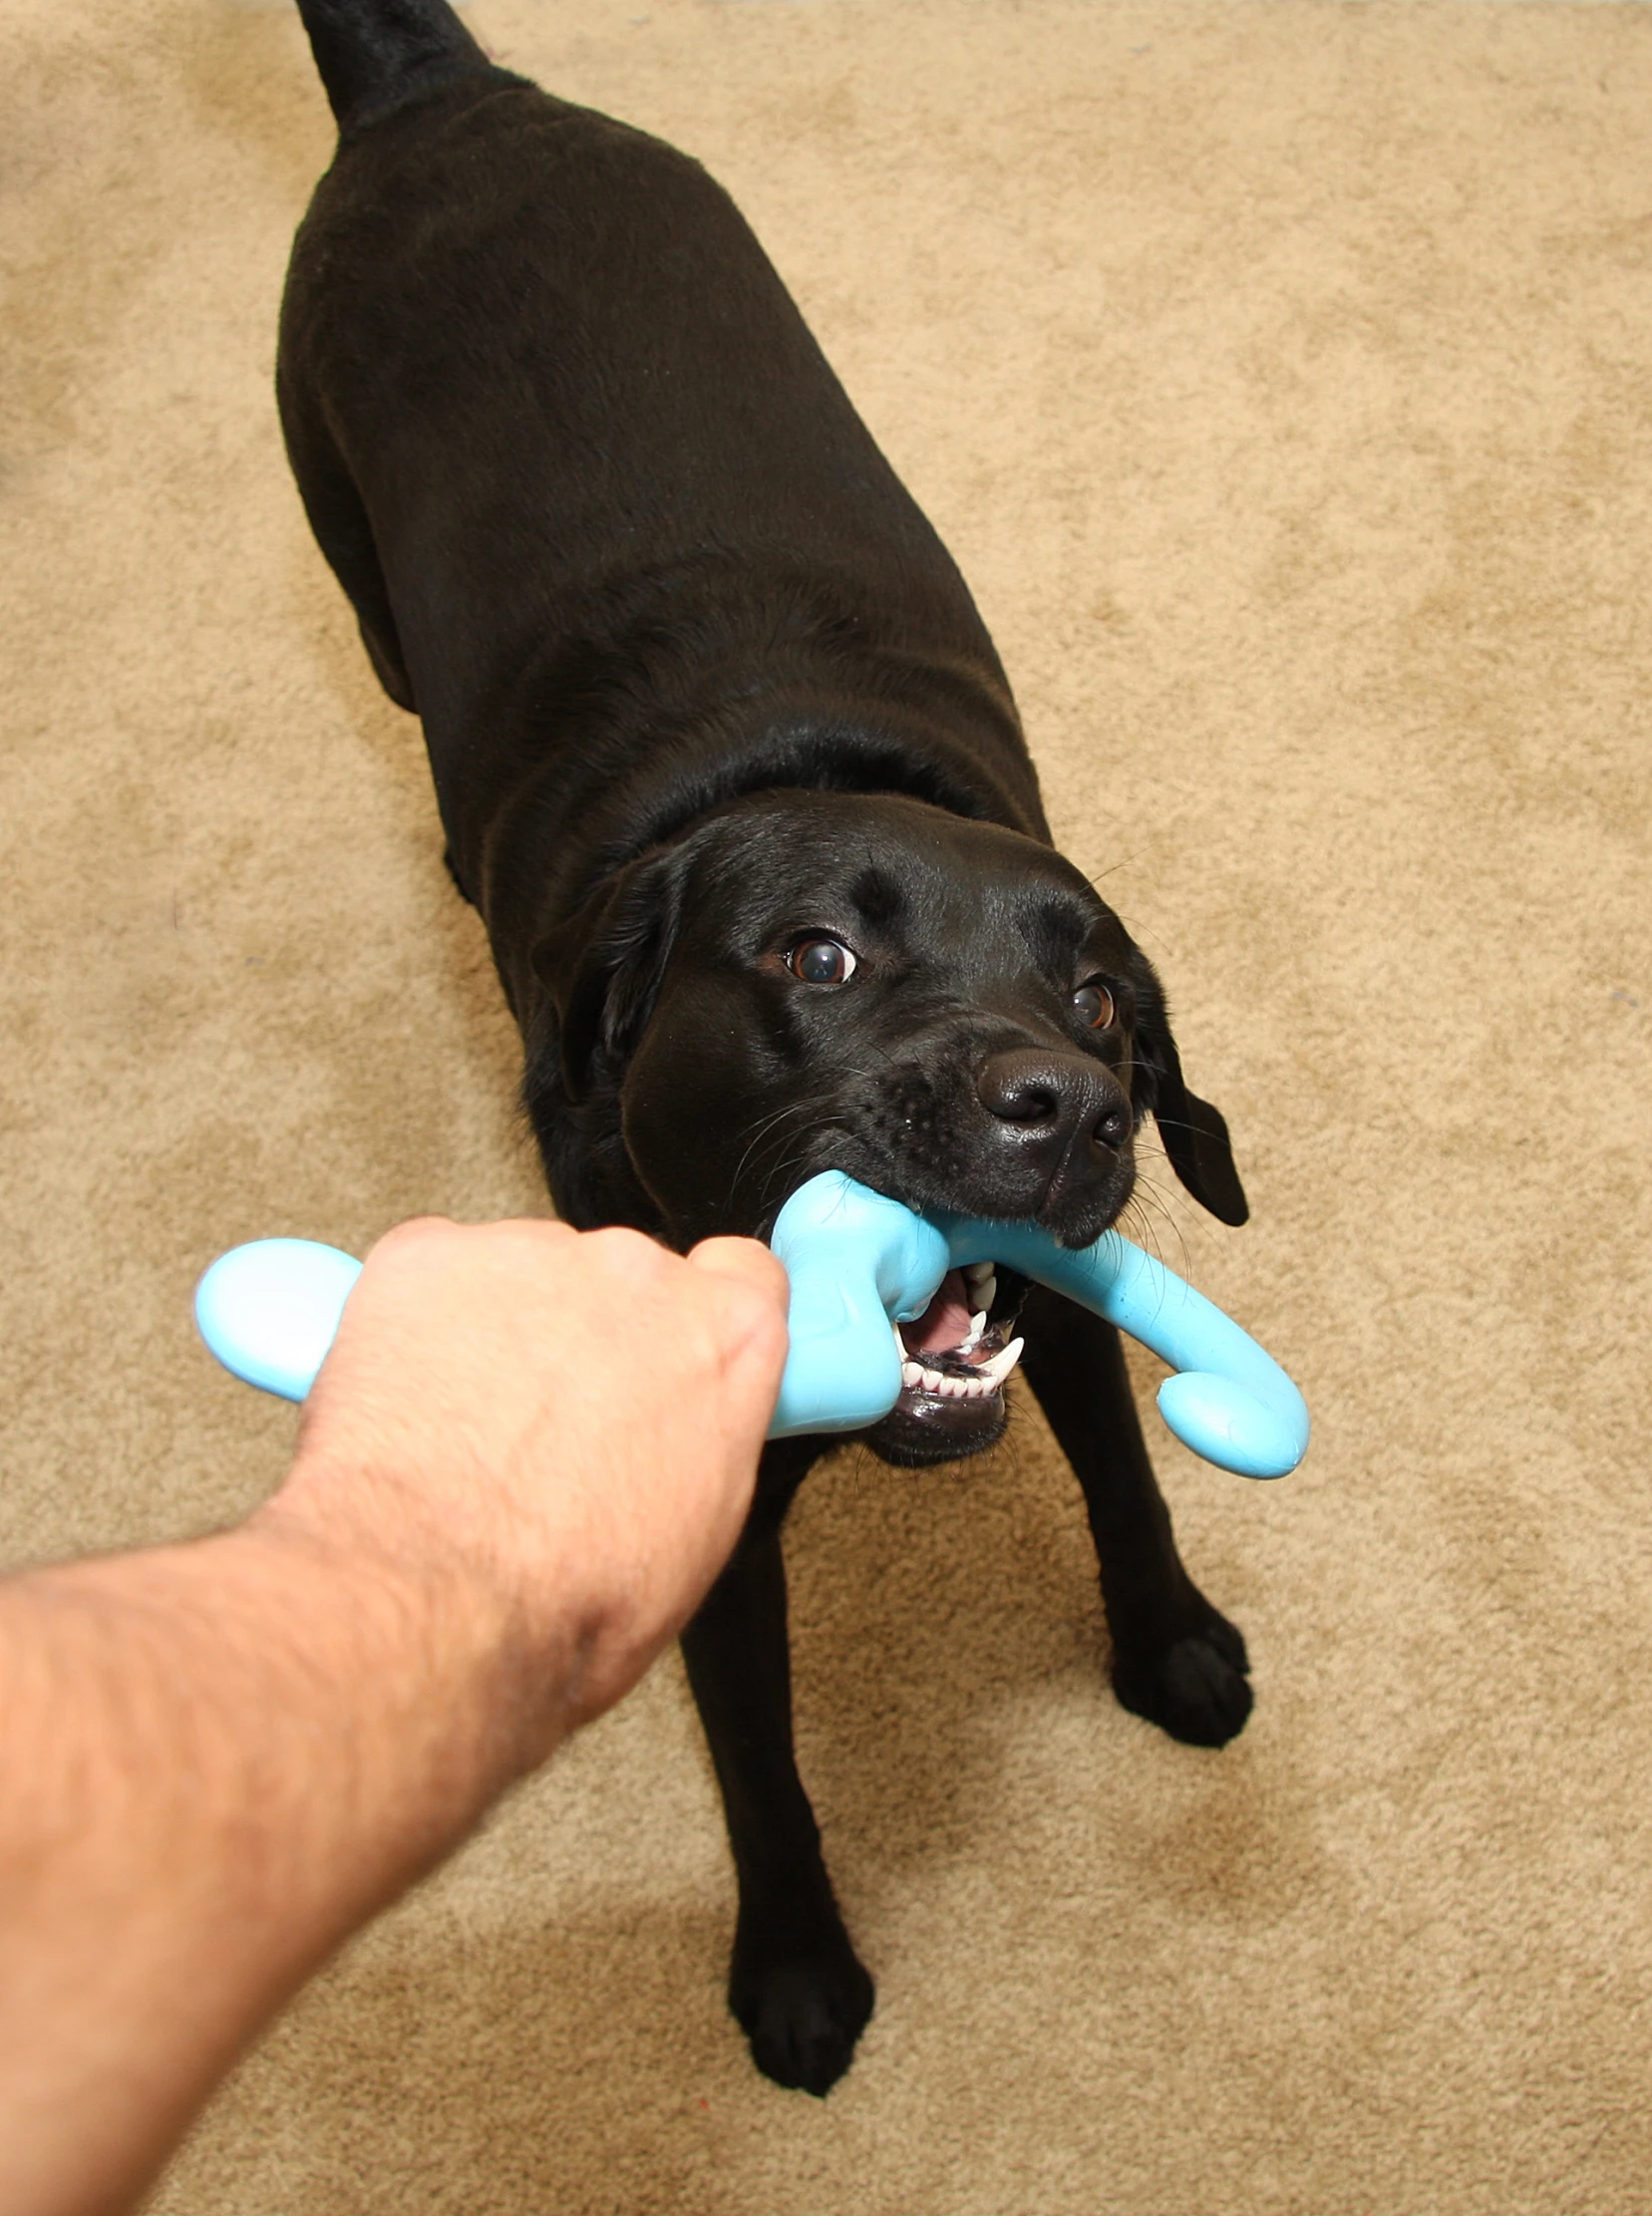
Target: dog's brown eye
column 821, row 962
column 1093, row 1004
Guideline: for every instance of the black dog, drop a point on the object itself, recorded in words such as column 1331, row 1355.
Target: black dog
column 727, row 761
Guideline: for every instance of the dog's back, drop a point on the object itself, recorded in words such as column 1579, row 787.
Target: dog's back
column 589, row 481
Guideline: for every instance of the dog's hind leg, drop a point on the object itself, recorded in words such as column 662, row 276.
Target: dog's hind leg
column 344, row 534
column 1175, row 1660
column 796, row 1984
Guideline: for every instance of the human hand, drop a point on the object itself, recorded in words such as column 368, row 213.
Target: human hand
column 521, row 1464
column 558, row 1430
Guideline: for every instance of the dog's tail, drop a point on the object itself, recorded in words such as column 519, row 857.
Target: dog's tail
column 374, row 55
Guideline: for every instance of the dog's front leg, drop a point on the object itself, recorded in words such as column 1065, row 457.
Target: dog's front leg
column 796, row 1983
column 1175, row 1660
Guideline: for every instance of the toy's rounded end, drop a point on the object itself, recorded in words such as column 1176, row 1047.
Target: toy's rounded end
column 1233, row 1427
column 268, row 1310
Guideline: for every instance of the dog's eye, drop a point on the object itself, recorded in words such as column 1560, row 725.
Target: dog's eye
column 1093, row 1005
column 821, row 962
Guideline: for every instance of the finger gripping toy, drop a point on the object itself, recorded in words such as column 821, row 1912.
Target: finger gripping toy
column 858, row 1264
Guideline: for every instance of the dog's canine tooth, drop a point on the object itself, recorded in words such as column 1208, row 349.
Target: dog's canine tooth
column 999, row 1368
column 977, row 1273
column 987, row 1379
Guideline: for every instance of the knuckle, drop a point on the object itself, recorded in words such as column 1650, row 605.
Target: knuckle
column 416, row 1233
column 618, row 1242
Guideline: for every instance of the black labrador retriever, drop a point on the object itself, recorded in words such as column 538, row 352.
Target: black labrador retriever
column 728, row 763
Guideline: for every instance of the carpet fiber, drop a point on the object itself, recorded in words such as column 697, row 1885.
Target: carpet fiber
column 1280, row 378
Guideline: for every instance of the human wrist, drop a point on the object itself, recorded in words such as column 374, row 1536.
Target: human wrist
column 426, row 1606
column 362, row 1709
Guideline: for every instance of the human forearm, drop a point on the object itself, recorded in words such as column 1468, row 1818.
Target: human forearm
column 171, row 1870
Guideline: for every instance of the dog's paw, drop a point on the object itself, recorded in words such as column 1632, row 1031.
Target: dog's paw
column 1196, row 1686
column 800, row 2010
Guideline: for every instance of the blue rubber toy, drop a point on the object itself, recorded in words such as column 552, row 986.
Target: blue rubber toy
column 858, row 1264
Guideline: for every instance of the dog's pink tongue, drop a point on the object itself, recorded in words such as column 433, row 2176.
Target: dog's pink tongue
column 944, row 1323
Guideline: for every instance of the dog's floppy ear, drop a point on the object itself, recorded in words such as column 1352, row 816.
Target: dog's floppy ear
column 604, row 967
column 1194, row 1134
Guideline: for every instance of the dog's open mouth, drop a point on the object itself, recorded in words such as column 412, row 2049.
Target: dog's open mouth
column 956, row 1350
column 955, row 1358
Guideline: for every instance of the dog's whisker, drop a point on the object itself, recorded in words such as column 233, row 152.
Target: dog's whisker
column 783, row 1172
column 817, row 1106
column 1146, row 1209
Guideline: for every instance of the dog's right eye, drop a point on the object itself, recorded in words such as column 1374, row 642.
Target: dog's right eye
column 821, row 962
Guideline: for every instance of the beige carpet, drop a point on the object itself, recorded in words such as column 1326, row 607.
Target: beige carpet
column 1282, row 377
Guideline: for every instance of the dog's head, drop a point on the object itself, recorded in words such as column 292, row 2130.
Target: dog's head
column 942, row 1008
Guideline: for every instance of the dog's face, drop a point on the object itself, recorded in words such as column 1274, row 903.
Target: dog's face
column 943, row 1009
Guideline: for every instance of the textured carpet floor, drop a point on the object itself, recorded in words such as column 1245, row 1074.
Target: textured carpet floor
column 1281, row 377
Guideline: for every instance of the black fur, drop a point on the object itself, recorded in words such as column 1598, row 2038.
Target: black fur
column 700, row 687
column 374, row 59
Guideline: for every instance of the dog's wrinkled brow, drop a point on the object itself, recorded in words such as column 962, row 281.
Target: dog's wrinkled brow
column 1055, row 931
column 878, row 896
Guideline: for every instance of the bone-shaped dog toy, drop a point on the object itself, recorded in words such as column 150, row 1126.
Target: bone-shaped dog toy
column 858, row 1264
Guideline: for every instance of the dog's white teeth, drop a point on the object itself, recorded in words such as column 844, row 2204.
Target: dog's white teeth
column 999, row 1368
column 986, row 1379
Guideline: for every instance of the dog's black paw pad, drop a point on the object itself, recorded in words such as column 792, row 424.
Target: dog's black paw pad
column 803, row 2020
column 1196, row 1689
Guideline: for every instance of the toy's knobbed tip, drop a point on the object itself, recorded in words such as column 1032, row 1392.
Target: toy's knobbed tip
column 1233, row 1427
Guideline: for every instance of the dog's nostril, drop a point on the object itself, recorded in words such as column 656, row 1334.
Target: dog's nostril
column 1018, row 1096
column 1112, row 1128
column 1027, row 1104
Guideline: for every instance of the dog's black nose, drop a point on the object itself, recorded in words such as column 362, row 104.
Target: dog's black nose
column 1053, row 1102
